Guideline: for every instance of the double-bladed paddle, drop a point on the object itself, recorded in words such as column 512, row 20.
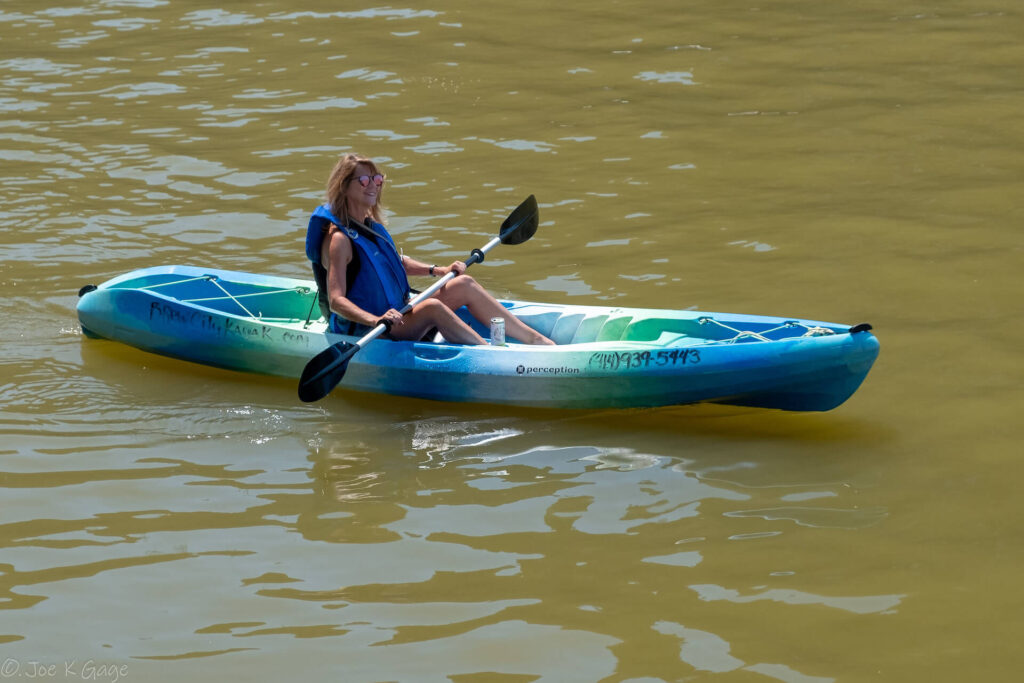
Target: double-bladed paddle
column 323, row 372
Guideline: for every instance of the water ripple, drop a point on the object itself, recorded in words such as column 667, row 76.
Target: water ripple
column 728, row 160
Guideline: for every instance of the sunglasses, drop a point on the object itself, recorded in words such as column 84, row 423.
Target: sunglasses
column 364, row 180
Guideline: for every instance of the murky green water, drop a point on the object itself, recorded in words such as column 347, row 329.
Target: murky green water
column 861, row 161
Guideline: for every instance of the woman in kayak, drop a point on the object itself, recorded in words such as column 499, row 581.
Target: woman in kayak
column 363, row 277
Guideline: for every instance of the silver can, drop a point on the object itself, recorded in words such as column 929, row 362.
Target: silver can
column 497, row 331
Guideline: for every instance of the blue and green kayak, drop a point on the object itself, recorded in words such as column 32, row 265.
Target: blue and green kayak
column 606, row 357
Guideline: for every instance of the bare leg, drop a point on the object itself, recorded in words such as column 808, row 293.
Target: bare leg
column 465, row 291
column 433, row 313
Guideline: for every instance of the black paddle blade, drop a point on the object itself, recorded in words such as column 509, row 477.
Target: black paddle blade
column 521, row 223
column 323, row 372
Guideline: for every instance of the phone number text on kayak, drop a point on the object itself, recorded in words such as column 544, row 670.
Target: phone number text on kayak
column 632, row 360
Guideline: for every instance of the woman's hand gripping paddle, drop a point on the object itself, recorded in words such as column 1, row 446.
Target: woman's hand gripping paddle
column 323, row 372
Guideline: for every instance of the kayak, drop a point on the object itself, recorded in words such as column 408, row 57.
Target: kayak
column 605, row 357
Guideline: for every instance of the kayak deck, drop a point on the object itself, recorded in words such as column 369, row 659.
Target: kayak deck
column 294, row 304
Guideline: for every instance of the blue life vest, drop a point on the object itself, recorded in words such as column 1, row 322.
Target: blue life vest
column 380, row 283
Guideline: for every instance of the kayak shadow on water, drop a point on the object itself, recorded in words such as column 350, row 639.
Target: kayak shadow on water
column 150, row 377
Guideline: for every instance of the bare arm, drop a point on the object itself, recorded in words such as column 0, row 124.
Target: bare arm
column 336, row 255
column 414, row 267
